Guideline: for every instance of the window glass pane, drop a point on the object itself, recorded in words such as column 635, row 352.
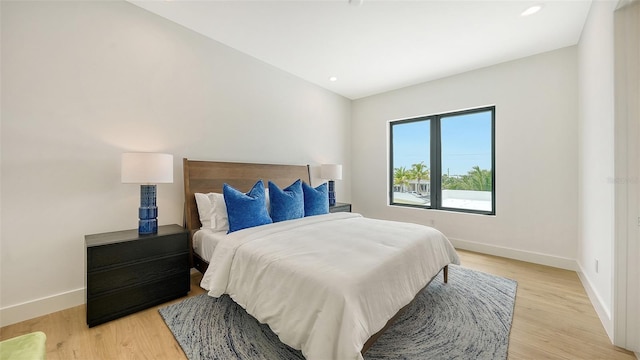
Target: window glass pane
column 466, row 161
column 411, row 163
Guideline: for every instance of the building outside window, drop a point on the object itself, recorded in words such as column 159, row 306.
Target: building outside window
column 444, row 161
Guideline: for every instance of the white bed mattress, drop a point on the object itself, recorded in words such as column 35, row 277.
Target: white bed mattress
column 325, row 284
column 205, row 240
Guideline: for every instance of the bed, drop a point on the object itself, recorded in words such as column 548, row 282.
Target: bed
column 328, row 285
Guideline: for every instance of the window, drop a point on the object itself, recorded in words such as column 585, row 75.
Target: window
column 444, row 161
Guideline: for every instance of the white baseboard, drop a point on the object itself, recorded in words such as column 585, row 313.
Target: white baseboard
column 596, row 301
column 39, row 307
column 528, row 256
column 548, row 260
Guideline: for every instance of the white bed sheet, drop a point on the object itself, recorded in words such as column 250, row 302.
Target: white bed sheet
column 205, row 241
column 325, row 284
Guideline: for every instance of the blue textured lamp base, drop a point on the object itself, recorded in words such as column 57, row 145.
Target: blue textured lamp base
column 148, row 211
column 332, row 193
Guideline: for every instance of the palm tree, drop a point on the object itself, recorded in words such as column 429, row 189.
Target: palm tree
column 477, row 179
column 401, row 177
column 450, row 182
column 419, row 172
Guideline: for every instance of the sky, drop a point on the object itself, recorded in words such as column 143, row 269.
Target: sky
column 466, row 142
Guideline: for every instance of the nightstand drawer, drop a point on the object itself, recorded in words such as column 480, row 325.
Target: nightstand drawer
column 135, row 251
column 103, row 281
column 129, row 300
column 340, row 207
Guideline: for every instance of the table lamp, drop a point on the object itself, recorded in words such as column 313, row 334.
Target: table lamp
column 331, row 172
column 147, row 169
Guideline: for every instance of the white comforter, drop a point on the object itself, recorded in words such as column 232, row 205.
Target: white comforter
column 325, row 284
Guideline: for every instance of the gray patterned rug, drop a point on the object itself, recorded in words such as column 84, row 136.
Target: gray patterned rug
column 468, row 318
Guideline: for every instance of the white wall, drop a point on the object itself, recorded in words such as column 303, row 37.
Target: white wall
column 596, row 157
column 83, row 82
column 536, row 156
column 626, row 254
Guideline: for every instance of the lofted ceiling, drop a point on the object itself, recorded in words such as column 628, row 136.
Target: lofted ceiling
column 373, row 46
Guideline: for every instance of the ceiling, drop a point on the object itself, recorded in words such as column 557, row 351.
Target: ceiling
column 377, row 46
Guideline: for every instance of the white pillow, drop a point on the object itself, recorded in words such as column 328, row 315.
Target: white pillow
column 205, row 209
column 220, row 217
column 212, row 211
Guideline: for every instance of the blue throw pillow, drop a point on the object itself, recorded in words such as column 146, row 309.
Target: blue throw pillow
column 246, row 210
column 316, row 201
column 288, row 203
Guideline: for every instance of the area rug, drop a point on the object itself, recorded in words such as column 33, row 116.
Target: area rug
column 468, row 318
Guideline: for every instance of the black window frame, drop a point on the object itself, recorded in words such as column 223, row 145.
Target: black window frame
column 435, row 167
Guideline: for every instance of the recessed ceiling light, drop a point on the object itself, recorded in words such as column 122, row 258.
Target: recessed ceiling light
column 333, row 78
column 531, row 10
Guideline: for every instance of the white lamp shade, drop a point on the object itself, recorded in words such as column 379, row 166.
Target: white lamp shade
column 331, row 171
column 147, row 168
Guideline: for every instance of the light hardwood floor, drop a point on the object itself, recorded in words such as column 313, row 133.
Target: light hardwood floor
column 553, row 319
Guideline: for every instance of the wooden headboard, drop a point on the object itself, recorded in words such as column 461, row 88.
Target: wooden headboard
column 210, row 176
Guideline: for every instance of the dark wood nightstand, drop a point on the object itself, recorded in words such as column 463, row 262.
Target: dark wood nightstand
column 127, row 272
column 340, row 207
